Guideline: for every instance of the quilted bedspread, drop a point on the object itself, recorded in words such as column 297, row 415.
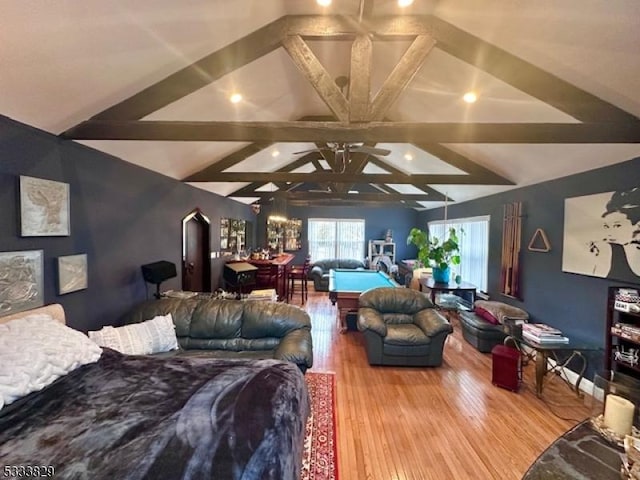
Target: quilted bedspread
column 138, row 417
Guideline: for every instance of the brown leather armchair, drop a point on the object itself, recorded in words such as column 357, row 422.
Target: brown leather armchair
column 402, row 327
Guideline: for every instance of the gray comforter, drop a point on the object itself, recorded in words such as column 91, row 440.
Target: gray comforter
column 137, row 417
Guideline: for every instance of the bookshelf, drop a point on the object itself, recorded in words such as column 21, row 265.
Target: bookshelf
column 622, row 332
column 377, row 248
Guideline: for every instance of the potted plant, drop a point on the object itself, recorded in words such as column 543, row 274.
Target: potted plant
column 438, row 255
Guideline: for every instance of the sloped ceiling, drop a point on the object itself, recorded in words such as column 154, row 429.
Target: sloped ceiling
column 557, row 85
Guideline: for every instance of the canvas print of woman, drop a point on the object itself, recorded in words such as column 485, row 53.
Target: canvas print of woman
column 602, row 235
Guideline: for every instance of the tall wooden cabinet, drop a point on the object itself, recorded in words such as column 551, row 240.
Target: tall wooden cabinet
column 623, row 331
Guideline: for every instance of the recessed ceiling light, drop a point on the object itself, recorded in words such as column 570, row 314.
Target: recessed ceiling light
column 324, row 3
column 275, row 153
column 470, row 97
column 408, row 156
column 404, row 3
column 235, row 98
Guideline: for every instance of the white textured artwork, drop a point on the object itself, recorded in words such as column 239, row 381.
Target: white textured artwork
column 21, row 281
column 44, row 207
column 72, row 273
column 602, row 235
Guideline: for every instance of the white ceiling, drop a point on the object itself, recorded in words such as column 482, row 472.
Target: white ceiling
column 63, row 62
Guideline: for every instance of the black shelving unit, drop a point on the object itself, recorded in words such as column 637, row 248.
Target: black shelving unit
column 622, row 336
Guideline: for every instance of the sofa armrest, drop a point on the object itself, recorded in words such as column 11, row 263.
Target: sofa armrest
column 315, row 272
column 297, row 347
column 432, row 323
column 370, row 319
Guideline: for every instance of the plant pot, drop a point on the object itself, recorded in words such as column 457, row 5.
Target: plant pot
column 441, row 275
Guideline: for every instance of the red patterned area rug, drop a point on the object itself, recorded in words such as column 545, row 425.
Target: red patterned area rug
column 319, row 458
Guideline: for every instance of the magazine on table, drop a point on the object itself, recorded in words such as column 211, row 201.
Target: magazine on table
column 544, row 340
column 541, row 329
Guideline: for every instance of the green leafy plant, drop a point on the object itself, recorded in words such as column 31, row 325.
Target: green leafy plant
column 435, row 253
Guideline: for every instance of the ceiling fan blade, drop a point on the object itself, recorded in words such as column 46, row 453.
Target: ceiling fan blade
column 371, row 150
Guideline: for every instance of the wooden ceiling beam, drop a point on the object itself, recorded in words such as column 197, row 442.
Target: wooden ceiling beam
column 401, row 76
column 231, row 160
column 390, row 197
column 459, row 161
column 403, row 132
column 360, row 79
column 252, row 186
column 523, row 75
column 317, row 76
column 435, row 195
column 408, row 202
column 199, row 74
column 265, row 177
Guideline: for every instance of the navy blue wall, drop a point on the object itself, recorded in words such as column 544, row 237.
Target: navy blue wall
column 574, row 303
column 377, row 220
column 122, row 216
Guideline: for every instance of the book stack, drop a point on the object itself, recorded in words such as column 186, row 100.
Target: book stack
column 627, row 330
column 542, row 333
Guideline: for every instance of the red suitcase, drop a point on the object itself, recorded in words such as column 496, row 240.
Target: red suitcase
column 507, row 367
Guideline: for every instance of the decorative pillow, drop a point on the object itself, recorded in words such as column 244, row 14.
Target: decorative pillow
column 500, row 310
column 35, row 350
column 486, row 314
column 152, row 336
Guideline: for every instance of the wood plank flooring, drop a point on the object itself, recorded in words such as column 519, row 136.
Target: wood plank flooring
column 450, row 422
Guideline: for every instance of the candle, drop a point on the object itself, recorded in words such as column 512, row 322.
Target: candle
column 618, row 414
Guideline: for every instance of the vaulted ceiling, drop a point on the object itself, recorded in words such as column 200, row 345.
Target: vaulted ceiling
column 358, row 102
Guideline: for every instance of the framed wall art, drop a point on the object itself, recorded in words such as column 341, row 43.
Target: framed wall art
column 21, row 281
column 44, row 208
column 72, row 273
column 602, row 235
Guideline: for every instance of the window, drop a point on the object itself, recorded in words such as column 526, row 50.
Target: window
column 474, row 247
column 336, row 238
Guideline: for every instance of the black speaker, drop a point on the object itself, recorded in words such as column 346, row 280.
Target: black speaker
column 158, row 272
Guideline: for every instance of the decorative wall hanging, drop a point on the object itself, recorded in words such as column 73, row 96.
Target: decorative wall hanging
column 511, row 237
column 72, row 273
column 44, row 208
column 602, row 235
column 539, row 242
column 21, row 281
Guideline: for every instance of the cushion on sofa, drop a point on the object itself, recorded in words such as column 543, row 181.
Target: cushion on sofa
column 151, row 336
column 486, row 314
column 500, row 310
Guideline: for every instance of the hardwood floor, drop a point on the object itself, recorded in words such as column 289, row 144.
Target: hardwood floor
column 450, row 422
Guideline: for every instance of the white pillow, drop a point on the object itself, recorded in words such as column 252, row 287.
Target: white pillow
column 153, row 336
column 35, row 350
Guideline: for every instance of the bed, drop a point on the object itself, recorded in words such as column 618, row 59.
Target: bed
column 143, row 417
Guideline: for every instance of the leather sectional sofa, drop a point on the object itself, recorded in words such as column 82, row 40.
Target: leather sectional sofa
column 234, row 328
column 319, row 271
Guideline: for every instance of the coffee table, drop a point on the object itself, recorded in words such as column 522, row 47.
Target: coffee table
column 461, row 290
column 580, row 453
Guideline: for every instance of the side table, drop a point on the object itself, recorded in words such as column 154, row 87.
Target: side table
column 560, row 353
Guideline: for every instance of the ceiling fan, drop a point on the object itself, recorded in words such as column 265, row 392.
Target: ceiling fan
column 345, row 148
